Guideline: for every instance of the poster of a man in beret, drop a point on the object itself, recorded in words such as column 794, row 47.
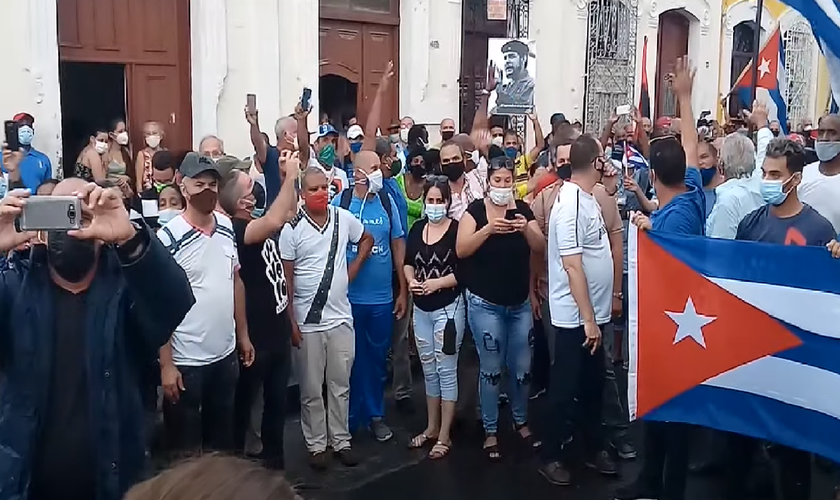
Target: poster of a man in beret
column 515, row 60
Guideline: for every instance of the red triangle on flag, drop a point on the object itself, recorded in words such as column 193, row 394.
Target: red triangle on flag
column 690, row 329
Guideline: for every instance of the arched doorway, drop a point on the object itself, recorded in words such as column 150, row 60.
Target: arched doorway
column 337, row 97
column 743, row 48
column 671, row 45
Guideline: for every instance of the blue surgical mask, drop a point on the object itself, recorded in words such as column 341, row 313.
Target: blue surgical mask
column 827, row 151
column 773, row 192
column 355, row 147
column 25, row 135
column 511, row 152
column 435, row 212
column 166, row 215
column 708, row 175
column 256, row 213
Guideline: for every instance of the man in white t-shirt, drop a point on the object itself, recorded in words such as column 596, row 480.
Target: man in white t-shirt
column 313, row 248
column 199, row 366
column 580, row 285
column 820, row 186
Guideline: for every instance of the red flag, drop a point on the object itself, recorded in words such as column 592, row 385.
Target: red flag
column 644, row 96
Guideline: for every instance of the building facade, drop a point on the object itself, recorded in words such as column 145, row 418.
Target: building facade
column 190, row 63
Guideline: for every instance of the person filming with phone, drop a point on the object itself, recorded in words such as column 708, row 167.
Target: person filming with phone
column 76, row 324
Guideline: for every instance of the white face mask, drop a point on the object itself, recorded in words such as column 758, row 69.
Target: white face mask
column 404, row 134
column 475, row 156
column 375, row 182
column 100, row 147
column 500, row 196
column 153, row 141
column 122, row 138
column 166, row 215
column 497, row 141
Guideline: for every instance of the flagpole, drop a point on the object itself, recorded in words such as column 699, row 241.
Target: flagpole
column 756, row 48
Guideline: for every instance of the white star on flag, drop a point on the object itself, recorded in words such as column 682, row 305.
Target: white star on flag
column 690, row 324
column 764, row 67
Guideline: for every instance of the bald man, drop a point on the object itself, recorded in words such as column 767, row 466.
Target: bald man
column 91, row 315
column 374, row 299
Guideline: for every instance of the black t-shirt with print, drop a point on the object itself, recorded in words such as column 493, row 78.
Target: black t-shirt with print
column 498, row 271
column 431, row 262
column 266, row 293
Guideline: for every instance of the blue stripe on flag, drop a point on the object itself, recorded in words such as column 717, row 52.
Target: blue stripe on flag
column 755, row 416
column 827, row 33
column 816, row 350
column 809, row 268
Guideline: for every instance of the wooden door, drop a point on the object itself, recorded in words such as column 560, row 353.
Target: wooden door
column 477, row 30
column 379, row 46
column 672, row 44
column 155, row 97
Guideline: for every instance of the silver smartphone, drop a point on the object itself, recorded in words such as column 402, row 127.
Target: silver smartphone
column 50, row 213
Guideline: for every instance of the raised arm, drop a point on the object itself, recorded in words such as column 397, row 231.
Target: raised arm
column 375, row 115
column 682, row 82
column 260, row 147
column 282, row 208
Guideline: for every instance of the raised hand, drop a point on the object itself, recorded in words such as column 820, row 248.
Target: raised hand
column 110, row 222
column 682, row 79
column 387, row 76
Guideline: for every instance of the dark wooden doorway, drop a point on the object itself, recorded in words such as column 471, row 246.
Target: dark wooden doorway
column 357, row 39
column 477, row 30
column 671, row 45
column 743, row 48
column 151, row 40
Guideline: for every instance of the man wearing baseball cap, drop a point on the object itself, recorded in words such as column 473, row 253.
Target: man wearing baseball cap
column 34, row 167
column 322, row 154
column 203, row 350
column 356, row 137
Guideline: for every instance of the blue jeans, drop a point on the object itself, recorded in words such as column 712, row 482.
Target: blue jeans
column 501, row 337
column 374, row 326
column 440, row 370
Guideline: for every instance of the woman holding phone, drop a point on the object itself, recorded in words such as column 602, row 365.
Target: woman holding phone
column 431, row 268
column 498, row 233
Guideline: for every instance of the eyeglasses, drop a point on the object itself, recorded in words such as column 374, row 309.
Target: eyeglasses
column 433, row 178
column 500, row 163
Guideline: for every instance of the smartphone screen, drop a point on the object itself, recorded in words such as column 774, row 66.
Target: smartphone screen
column 510, row 214
column 11, row 131
column 251, row 103
column 623, row 110
column 305, row 97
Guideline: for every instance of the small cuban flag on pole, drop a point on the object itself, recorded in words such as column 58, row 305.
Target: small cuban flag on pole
column 770, row 87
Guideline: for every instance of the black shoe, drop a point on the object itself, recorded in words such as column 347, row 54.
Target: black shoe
column 624, row 450
column 635, row 491
column 347, row 457
column 406, row 406
column 556, row 474
column 319, row 461
column 603, row 463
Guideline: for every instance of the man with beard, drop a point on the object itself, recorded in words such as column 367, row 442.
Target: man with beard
column 266, row 305
column 77, row 324
column 199, row 367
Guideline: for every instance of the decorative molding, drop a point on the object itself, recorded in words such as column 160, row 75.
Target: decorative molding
column 208, row 41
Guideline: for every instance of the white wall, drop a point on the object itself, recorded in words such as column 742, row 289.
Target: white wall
column 30, row 70
column 430, row 61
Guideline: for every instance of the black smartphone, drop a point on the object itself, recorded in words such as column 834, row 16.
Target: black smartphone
column 11, row 131
column 510, row 214
column 251, row 103
column 305, row 97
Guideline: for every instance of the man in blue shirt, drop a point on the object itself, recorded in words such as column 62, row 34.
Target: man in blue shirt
column 371, row 296
column 35, row 167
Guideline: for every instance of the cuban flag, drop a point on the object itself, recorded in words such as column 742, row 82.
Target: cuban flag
column 633, row 158
column 824, row 16
column 737, row 336
column 771, row 80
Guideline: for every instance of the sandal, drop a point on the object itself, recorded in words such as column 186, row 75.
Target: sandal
column 530, row 440
column 439, row 450
column 492, row 451
column 419, row 441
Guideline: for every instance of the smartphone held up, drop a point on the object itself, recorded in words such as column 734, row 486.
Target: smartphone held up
column 50, row 213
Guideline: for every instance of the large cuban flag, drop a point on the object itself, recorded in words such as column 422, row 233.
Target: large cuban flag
column 824, row 16
column 737, row 336
column 771, row 80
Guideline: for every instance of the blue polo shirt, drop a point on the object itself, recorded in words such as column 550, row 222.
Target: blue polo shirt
column 392, row 187
column 372, row 285
column 35, row 168
column 686, row 213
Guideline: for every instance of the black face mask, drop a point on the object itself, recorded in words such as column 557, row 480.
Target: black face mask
column 454, row 171
column 70, row 258
column 775, row 133
column 417, row 171
column 447, row 134
column 564, row 171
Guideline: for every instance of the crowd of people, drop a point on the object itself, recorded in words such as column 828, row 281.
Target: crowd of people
column 336, row 249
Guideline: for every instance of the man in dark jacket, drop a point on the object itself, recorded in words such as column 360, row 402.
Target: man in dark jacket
column 77, row 321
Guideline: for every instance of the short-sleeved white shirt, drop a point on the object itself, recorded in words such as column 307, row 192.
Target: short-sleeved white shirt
column 311, row 249
column 208, row 331
column 576, row 226
column 821, row 192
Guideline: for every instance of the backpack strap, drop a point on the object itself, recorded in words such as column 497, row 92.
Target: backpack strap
column 346, row 198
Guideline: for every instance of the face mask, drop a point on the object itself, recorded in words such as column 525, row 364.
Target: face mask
column 374, row 182
column 256, row 213
column 204, row 201
column 395, row 138
column 317, row 202
column 166, row 215
column 100, row 147
column 511, row 152
column 159, row 186
column 497, row 141
column 708, row 175
column 775, row 133
column 773, row 192
column 564, row 171
column 122, row 138
column 396, row 167
column 475, row 157
column 355, row 147
column 454, row 171
column 404, row 135
column 447, row 134
column 153, row 141
column 327, row 155
column 417, row 171
column 827, row 151
column 25, row 135
column 69, row 257
column 500, row 196
column 435, row 213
